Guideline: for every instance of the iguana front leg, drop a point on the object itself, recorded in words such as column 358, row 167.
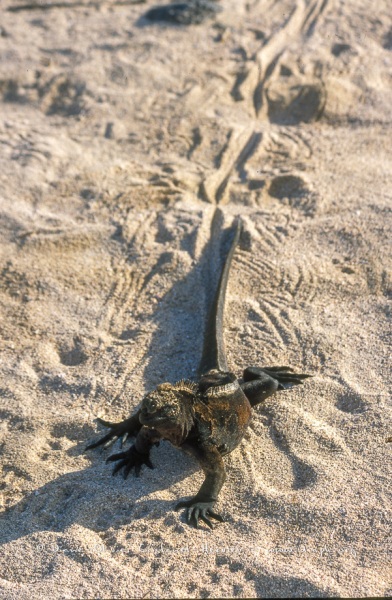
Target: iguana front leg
column 200, row 507
column 122, row 429
column 260, row 383
column 138, row 454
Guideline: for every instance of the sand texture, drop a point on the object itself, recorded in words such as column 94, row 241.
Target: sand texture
column 119, row 138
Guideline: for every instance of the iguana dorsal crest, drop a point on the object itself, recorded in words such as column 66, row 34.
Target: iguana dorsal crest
column 222, row 390
column 185, row 386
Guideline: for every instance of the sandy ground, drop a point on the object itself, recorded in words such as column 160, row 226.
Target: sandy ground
column 119, row 138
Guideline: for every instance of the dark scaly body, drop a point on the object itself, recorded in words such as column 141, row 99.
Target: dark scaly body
column 207, row 419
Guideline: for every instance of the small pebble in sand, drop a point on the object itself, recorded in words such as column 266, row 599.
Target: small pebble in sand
column 193, row 12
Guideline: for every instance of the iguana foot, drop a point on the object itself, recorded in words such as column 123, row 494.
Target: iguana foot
column 199, row 510
column 283, row 375
column 129, row 460
column 122, row 429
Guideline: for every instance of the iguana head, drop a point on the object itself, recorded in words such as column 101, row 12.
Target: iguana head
column 169, row 407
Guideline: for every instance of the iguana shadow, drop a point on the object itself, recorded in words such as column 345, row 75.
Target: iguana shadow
column 94, row 499
column 181, row 317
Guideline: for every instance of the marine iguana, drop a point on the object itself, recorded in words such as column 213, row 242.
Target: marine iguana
column 207, row 418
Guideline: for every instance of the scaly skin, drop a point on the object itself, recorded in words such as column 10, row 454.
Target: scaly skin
column 207, row 419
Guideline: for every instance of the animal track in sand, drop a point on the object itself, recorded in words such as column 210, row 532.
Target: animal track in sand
column 272, row 323
column 72, row 356
column 63, row 95
column 262, row 75
column 9, row 90
column 260, row 268
column 232, row 158
column 292, row 101
column 294, row 190
column 271, row 233
column 300, row 279
column 338, row 49
column 287, row 186
column 283, row 149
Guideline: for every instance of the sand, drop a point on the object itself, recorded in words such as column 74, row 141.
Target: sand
column 119, row 138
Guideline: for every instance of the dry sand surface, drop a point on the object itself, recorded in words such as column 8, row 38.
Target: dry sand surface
column 119, row 138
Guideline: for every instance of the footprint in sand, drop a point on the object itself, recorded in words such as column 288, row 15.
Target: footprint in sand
column 292, row 100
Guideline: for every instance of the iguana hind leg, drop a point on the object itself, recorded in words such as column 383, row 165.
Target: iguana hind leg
column 260, row 383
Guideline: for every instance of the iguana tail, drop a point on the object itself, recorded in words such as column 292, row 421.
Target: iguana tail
column 214, row 355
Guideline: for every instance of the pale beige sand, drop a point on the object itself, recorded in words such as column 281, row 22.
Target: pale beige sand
column 117, row 142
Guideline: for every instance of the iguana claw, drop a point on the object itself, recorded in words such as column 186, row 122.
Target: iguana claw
column 129, row 460
column 199, row 510
column 122, row 429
